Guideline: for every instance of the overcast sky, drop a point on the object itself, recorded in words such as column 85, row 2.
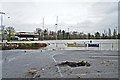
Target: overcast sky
column 73, row 14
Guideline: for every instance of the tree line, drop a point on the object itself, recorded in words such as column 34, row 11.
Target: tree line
column 62, row 34
column 9, row 34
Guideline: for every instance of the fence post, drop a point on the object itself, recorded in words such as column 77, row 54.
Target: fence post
column 112, row 46
column 100, row 45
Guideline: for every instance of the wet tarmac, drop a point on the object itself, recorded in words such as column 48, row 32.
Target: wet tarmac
column 16, row 63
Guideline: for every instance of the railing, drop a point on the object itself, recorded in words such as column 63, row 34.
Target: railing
column 98, row 46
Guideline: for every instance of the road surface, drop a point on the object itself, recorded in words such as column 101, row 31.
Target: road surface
column 16, row 63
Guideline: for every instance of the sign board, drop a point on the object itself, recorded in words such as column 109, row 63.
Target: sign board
column 4, row 41
column 76, row 45
column 93, row 45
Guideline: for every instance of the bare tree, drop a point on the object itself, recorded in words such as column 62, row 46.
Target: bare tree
column 63, row 33
column 97, row 35
column 10, row 30
column 109, row 33
column 114, row 34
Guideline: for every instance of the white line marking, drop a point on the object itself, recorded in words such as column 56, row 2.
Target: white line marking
column 29, row 53
column 38, row 73
column 11, row 59
column 57, row 66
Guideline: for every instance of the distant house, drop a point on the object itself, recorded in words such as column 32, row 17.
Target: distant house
column 26, row 36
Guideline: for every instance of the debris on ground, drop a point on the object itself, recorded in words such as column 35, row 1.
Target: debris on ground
column 31, row 72
column 42, row 69
column 92, row 57
column 87, row 64
column 103, row 62
column 49, row 67
column 38, row 76
column 53, row 49
column 98, row 71
column 74, row 64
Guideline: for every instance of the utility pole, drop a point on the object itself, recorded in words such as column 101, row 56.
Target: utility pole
column 116, row 32
column 68, row 33
column 2, row 27
column 56, row 29
column 9, row 31
column 56, row 26
column 43, row 28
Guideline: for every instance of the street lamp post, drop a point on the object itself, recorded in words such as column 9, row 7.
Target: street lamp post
column 116, row 32
column 43, row 28
column 56, row 29
column 68, row 33
column 2, row 27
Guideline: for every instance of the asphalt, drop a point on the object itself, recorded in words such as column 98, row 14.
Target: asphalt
column 16, row 63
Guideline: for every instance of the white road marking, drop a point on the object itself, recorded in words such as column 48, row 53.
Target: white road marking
column 27, row 52
column 11, row 59
column 38, row 73
column 79, row 74
column 57, row 66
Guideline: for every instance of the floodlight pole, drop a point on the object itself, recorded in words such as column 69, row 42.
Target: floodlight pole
column 116, row 32
column 68, row 33
column 43, row 28
column 2, row 27
column 56, row 26
column 1, row 20
column 56, row 29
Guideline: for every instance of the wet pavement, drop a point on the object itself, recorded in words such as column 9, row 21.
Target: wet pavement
column 16, row 63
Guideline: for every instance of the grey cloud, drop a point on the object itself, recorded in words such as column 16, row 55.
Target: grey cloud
column 105, row 7
column 87, row 17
